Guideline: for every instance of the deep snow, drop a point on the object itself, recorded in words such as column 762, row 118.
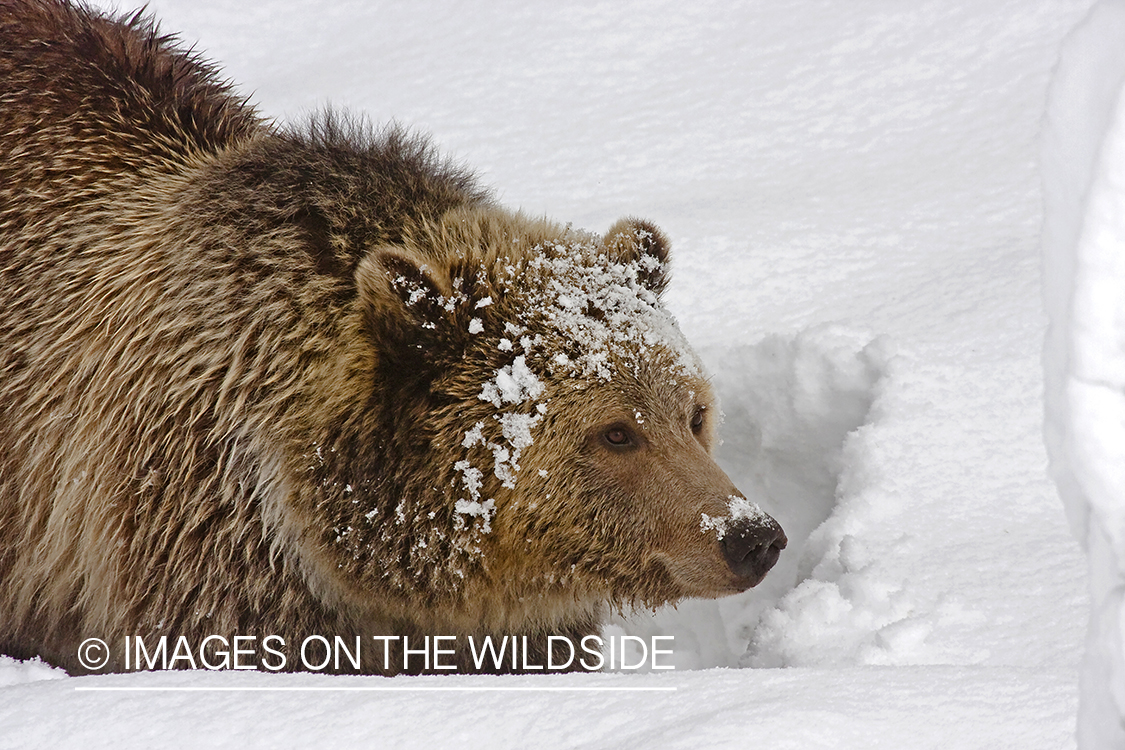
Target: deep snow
column 853, row 198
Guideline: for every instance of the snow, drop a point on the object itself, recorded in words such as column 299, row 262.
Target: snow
column 1084, row 189
column 475, row 508
column 738, row 507
column 512, row 384
column 604, row 307
column 946, row 708
column 854, row 202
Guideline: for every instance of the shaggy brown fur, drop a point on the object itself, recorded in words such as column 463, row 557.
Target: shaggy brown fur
column 257, row 380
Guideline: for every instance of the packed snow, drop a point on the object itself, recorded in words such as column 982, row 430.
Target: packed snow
column 854, row 201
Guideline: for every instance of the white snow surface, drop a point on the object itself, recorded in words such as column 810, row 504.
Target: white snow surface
column 854, row 200
column 1084, row 273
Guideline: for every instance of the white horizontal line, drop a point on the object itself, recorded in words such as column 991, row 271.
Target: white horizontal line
column 403, row 689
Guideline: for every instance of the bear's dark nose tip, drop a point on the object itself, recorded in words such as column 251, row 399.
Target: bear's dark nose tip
column 752, row 547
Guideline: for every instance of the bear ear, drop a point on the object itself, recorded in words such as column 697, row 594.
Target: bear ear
column 635, row 240
column 398, row 289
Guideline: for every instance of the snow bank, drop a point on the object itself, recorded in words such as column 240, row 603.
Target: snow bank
column 1083, row 166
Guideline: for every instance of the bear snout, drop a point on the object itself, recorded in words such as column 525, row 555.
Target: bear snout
column 752, row 546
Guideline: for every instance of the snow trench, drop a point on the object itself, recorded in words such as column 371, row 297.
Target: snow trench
column 794, row 408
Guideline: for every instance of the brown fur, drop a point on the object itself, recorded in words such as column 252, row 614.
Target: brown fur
column 238, row 364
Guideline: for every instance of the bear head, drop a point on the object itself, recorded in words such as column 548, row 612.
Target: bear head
column 552, row 431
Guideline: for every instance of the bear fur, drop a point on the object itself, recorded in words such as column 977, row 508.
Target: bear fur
column 266, row 380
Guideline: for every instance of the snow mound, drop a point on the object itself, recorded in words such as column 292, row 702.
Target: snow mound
column 1083, row 168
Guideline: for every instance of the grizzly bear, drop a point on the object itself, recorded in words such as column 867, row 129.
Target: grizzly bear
column 312, row 381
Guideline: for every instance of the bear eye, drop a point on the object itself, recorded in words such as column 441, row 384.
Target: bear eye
column 697, row 420
column 617, row 436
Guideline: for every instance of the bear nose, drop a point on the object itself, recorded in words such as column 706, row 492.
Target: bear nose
column 751, row 547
